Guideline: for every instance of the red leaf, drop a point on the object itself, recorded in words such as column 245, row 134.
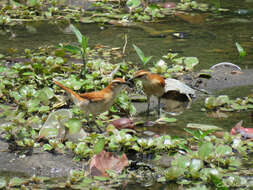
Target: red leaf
column 107, row 161
column 123, row 123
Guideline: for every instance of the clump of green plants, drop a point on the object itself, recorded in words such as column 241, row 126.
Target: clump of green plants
column 82, row 50
column 224, row 103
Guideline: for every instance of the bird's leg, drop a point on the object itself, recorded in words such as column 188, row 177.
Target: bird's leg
column 148, row 99
column 159, row 107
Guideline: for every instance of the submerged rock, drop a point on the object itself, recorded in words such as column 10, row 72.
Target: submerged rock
column 40, row 163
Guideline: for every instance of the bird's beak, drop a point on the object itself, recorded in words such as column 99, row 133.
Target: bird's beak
column 130, row 82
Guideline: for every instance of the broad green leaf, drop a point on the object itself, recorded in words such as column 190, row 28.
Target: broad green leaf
column 15, row 95
column 74, row 125
column 181, row 162
column 33, row 105
column 222, row 99
column 174, row 173
column 44, row 109
column 47, row 147
column 223, row 150
column 205, row 150
column 196, row 165
column 242, row 52
column 49, row 92
column 54, row 125
column 99, row 146
column 190, row 62
column 2, row 182
column 210, row 102
column 32, row 3
column 27, row 91
column 133, row 3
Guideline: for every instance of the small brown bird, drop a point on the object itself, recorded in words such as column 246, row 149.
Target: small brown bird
column 99, row 101
column 153, row 84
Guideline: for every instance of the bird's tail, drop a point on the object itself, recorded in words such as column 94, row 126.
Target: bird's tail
column 75, row 97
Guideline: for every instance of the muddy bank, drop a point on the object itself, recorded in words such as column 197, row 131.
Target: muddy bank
column 39, row 163
column 222, row 78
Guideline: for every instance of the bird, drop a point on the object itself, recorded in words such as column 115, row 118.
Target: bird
column 96, row 102
column 153, row 84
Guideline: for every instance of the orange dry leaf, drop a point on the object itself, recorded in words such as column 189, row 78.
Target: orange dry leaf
column 107, row 161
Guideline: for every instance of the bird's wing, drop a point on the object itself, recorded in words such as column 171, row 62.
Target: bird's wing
column 93, row 96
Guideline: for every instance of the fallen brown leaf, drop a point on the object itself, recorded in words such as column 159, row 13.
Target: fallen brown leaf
column 107, row 161
column 123, row 123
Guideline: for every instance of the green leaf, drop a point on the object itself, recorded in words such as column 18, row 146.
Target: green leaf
column 205, row 150
column 222, row 99
column 47, row 147
column 174, row 173
column 84, row 43
column 190, row 62
column 78, row 34
column 49, row 92
column 217, row 181
column 139, row 52
column 44, row 109
column 223, row 150
column 196, row 165
column 181, row 162
column 16, row 182
column 242, row 52
column 100, row 178
column 133, row 3
column 74, row 125
column 210, row 102
column 33, row 105
column 55, row 124
column 144, row 59
column 99, row 146
column 72, row 49
column 32, row 3
column 2, row 182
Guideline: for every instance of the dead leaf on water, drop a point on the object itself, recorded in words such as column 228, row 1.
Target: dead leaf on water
column 107, row 161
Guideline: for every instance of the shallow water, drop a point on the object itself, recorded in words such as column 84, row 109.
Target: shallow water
column 212, row 41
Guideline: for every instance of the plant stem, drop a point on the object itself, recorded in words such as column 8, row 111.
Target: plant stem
column 83, row 71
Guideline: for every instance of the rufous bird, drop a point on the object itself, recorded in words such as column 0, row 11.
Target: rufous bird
column 153, row 84
column 245, row 132
column 98, row 101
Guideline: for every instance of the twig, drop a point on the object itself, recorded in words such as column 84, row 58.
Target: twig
column 124, row 47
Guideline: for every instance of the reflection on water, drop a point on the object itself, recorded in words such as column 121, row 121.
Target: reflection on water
column 212, row 41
